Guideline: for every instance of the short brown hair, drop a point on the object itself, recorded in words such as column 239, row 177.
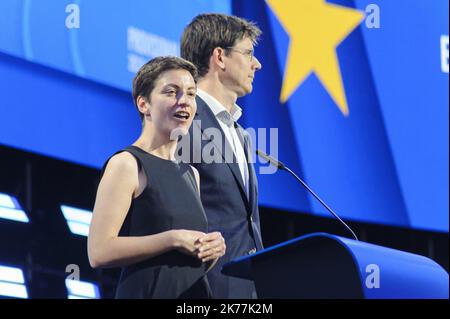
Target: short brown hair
column 148, row 74
column 209, row 31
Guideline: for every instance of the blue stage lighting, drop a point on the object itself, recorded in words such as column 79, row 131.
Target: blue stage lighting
column 11, row 209
column 77, row 219
column 12, row 282
column 81, row 290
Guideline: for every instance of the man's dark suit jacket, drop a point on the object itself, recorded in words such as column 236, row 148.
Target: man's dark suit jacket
column 226, row 204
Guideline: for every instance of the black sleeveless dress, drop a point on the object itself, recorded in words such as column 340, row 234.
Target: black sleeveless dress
column 169, row 201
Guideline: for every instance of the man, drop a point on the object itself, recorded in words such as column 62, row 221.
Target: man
column 221, row 47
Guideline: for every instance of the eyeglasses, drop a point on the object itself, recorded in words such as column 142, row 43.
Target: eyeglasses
column 250, row 53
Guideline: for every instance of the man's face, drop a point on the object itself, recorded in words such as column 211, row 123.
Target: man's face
column 240, row 67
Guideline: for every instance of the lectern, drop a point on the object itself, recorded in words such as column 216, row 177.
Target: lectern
column 324, row 266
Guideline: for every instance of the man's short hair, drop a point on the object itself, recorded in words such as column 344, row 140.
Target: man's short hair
column 148, row 74
column 209, row 31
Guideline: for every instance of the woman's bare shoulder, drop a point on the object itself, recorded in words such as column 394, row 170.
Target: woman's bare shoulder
column 122, row 163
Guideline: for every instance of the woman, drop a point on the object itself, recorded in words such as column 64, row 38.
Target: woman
column 148, row 216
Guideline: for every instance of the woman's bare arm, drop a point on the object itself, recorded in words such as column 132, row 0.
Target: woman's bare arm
column 114, row 195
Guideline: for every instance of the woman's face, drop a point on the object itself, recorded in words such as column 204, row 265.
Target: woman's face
column 172, row 103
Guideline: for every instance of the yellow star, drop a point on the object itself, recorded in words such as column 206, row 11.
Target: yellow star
column 315, row 29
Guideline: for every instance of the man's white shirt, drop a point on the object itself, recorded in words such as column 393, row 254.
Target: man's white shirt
column 230, row 132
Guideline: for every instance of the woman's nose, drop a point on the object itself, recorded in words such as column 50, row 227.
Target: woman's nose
column 182, row 99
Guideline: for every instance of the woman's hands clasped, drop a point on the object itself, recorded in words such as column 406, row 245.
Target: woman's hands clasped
column 205, row 246
column 211, row 246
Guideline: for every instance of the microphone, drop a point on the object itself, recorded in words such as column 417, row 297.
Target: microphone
column 280, row 165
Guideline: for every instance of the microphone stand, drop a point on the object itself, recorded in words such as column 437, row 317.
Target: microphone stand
column 280, row 165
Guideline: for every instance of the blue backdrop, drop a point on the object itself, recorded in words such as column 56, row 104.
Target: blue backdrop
column 380, row 156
